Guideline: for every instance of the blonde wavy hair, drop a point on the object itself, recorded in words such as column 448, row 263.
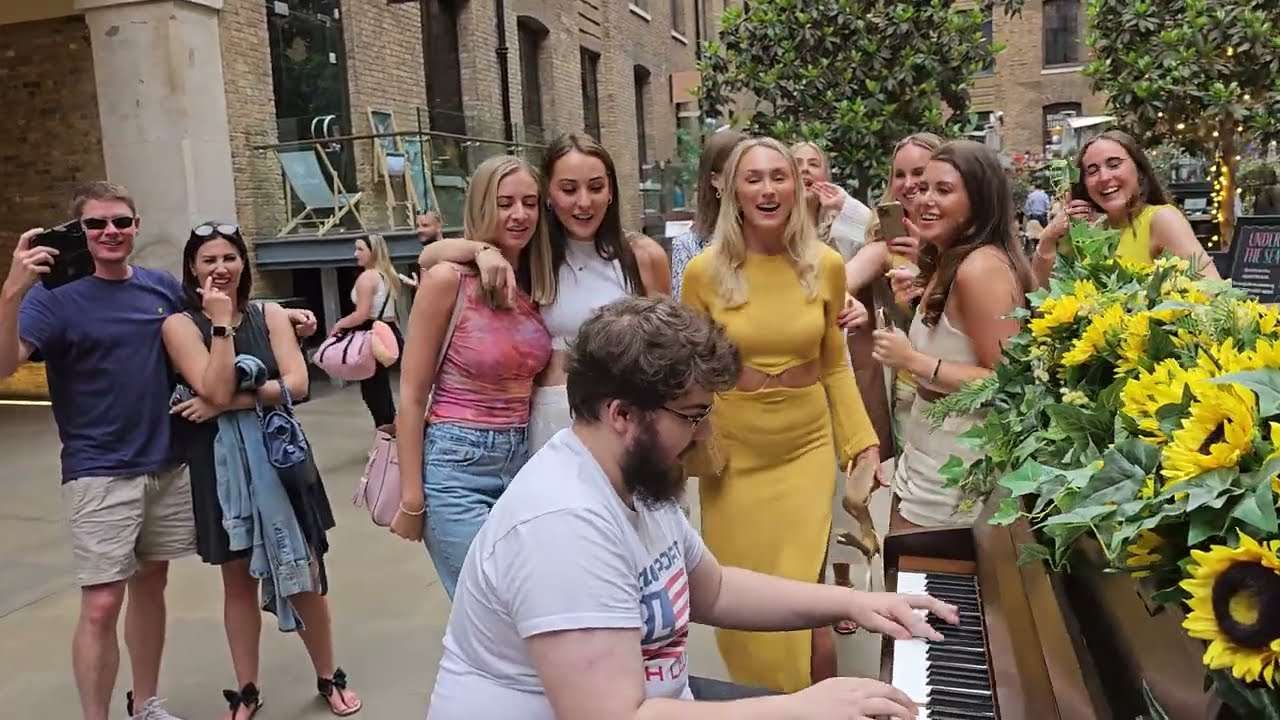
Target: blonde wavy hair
column 480, row 222
column 380, row 254
column 728, row 246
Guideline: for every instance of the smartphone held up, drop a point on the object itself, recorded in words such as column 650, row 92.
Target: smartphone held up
column 73, row 260
column 890, row 215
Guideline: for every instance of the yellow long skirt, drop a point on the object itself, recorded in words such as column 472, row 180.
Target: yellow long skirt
column 770, row 511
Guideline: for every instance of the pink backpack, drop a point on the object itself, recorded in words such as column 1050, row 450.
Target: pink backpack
column 379, row 487
column 347, row 357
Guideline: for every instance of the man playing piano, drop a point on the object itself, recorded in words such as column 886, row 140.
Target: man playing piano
column 575, row 599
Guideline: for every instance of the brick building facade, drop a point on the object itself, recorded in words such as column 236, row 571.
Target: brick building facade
column 1038, row 80
column 633, row 49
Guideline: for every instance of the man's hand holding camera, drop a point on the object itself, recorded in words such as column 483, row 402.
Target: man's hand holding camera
column 29, row 264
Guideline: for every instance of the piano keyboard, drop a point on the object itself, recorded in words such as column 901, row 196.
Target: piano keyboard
column 949, row 680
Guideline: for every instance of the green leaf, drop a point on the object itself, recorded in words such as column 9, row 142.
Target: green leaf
column 1032, row 552
column 1205, row 523
column 1025, row 480
column 1258, row 509
column 1007, row 512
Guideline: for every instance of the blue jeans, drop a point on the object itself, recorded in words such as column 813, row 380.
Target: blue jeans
column 464, row 472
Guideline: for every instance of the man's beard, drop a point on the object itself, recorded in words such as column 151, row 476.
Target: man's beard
column 650, row 479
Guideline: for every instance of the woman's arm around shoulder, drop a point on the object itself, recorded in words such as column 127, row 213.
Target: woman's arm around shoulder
column 1171, row 232
column 651, row 259
column 987, row 292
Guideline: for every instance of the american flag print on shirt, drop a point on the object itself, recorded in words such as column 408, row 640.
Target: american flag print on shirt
column 664, row 608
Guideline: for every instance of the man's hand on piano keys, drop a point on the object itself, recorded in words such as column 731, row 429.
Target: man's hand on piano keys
column 848, row 698
column 899, row 616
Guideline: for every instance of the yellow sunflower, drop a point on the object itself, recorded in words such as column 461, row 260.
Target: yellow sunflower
column 1153, row 389
column 1235, row 606
column 1133, row 347
column 1225, row 358
column 1216, row 434
column 1055, row 312
column 1143, row 553
column 1101, row 328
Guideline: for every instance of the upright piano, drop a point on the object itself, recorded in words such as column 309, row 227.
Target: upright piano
column 1034, row 644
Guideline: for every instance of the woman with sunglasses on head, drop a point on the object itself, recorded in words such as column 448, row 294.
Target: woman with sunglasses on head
column 594, row 261
column 686, row 246
column 1118, row 182
column 974, row 274
column 460, row 463
column 796, row 410
column 216, row 346
column 374, row 295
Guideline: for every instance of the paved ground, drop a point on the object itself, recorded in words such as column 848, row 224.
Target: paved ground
column 390, row 611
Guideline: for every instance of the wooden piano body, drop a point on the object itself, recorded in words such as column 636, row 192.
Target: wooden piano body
column 1071, row 646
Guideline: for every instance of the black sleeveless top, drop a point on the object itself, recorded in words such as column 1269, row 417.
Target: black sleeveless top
column 196, row 439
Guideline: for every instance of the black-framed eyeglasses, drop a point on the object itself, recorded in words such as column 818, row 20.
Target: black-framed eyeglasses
column 210, row 229
column 693, row 420
column 121, row 222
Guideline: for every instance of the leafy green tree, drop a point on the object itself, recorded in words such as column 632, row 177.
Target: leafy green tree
column 852, row 75
column 1200, row 74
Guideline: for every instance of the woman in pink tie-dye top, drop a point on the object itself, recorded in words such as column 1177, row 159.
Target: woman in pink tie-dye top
column 475, row 442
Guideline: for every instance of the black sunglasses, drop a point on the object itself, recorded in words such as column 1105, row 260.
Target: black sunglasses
column 122, row 222
column 210, row 229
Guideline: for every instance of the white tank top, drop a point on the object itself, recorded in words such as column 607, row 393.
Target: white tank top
column 584, row 282
column 379, row 296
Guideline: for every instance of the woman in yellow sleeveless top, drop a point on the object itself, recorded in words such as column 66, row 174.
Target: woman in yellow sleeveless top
column 778, row 293
column 1117, row 180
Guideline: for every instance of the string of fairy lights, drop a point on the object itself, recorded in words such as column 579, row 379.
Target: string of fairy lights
column 1219, row 171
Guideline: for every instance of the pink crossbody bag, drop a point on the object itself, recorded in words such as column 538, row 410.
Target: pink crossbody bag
column 379, row 486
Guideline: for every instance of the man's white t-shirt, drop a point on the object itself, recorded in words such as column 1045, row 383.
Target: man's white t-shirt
column 561, row 551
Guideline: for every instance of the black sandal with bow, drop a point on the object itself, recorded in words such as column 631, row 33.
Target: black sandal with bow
column 248, row 697
column 338, row 683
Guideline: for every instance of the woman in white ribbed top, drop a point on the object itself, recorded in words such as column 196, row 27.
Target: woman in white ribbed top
column 594, row 262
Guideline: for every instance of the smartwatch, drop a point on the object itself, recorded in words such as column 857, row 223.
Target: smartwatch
column 225, row 331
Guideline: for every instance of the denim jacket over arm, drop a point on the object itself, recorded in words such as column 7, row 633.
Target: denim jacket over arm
column 256, row 510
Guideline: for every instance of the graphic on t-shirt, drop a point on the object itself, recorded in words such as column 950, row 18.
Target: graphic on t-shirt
column 664, row 607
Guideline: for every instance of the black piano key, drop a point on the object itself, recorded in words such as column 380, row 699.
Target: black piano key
column 947, row 714
column 976, row 674
column 957, row 701
column 958, row 680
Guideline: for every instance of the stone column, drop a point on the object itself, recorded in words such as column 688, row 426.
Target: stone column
column 162, row 104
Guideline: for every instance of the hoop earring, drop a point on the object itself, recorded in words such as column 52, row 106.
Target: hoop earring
column 717, row 193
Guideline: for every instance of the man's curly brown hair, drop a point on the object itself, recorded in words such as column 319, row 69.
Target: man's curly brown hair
column 647, row 352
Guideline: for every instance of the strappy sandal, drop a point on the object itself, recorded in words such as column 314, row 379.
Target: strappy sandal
column 248, row 696
column 338, row 683
column 840, row 572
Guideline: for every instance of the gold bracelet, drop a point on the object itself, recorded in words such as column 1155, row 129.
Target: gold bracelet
column 406, row 511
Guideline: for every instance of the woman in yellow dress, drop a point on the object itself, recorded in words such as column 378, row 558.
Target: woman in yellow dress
column 1118, row 182
column 778, row 292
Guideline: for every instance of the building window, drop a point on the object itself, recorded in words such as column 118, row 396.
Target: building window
column 531, row 36
column 642, row 90
column 1055, row 123
column 988, row 35
column 591, row 92
column 677, row 16
column 1061, row 32
column 444, row 65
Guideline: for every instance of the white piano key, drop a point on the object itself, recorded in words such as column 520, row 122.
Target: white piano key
column 911, row 582
column 909, row 669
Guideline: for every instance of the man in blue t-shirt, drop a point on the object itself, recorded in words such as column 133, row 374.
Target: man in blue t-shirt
column 126, row 494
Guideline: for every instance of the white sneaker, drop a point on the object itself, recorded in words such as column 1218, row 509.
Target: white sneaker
column 153, row 709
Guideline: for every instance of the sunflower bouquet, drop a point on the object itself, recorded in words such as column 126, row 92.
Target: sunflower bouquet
column 1139, row 408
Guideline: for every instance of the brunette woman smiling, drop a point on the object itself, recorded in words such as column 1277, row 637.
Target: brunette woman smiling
column 1118, row 181
column 974, row 274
